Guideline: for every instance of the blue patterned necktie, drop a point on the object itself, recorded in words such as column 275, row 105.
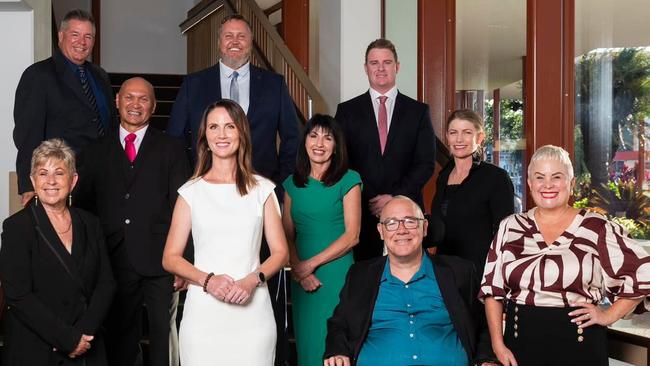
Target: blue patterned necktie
column 85, row 85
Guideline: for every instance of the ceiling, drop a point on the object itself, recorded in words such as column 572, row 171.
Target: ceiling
column 491, row 37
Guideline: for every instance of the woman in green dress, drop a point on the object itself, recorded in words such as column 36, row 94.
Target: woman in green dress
column 322, row 216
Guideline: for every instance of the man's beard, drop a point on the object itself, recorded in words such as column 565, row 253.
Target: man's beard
column 234, row 63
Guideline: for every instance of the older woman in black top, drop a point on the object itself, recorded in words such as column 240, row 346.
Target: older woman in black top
column 54, row 270
column 472, row 196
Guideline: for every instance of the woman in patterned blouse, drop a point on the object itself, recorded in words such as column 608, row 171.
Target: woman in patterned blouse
column 553, row 265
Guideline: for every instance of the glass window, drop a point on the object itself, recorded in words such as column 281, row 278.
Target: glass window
column 612, row 111
column 490, row 46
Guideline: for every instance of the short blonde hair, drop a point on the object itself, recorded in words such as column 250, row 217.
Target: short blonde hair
column 53, row 149
column 551, row 152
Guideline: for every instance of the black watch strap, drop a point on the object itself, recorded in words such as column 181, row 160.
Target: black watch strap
column 261, row 278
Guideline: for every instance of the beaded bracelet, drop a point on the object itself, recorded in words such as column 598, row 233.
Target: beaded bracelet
column 207, row 279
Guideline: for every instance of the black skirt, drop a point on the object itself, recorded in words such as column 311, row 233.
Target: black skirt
column 545, row 336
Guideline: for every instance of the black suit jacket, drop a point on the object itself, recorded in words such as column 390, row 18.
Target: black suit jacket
column 53, row 297
column 473, row 211
column 409, row 156
column 50, row 103
column 348, row 327
column 270, row 112
column 134, row 202
column 403, row 169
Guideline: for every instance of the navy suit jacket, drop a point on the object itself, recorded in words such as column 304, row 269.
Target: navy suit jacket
column 50, row 102
column 271, row 112
column 348, row 327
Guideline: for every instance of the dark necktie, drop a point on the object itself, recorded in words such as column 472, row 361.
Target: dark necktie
column 85, row 85
column 234, row 87
column 383, row 122
column 129, row 147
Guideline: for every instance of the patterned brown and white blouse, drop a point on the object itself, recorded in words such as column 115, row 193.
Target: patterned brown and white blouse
column 593, row 258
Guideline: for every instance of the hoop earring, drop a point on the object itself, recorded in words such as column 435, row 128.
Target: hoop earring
column 70, row 200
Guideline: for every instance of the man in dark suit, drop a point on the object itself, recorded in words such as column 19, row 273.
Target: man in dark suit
column 408, row 307
column 263, row 95
column 130, row 179
column 390, row 142
column 63, row 96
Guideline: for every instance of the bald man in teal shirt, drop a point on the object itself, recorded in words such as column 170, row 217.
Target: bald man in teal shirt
column 408, row 308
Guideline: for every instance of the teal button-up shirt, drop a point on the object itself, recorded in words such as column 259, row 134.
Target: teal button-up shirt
column 411, row 325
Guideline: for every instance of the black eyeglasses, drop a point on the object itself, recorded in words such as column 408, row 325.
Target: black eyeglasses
column 409, row 223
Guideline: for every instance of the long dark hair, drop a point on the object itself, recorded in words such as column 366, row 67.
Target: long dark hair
column 244, row 174
column 339, row 164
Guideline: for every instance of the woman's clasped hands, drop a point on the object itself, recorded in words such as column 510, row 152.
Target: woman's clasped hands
column 225, row 288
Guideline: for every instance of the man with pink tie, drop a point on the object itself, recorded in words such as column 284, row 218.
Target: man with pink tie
column 390, row 142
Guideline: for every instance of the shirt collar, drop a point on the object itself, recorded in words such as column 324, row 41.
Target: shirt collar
column 227, row 71
column 391, row 94
column 139, row 134
column 426, row 269
column 74, row 67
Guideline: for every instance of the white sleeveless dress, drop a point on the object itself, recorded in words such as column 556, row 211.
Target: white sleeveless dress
column 227, row 233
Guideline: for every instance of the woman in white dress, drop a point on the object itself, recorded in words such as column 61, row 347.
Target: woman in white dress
column 227, row 317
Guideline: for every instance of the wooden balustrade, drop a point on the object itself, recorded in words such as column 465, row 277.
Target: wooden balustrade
column 269, row 50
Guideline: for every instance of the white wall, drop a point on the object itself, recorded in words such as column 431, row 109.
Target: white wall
column 360, row 25
column 329, row 64
column 143, row 36
column 345, row 30
column 402, row 29
column 17, row 35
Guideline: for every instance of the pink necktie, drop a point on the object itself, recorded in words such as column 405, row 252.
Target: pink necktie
column 383, row 122
column 129, row 146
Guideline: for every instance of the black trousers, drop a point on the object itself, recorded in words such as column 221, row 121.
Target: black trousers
column 545, row 336
column 124, row 322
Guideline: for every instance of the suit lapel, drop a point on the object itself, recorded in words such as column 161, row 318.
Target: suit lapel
column 375, row 270
column 69, row 78
column 52, row 240
column 395, row 122
column 255, row 92
column 116, row 150
column 214, row 85
column 453, row 302
column 145, row 147
column 370, row 126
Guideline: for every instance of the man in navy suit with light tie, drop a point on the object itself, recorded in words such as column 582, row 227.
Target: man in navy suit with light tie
column 390, row 143
column 264, row 96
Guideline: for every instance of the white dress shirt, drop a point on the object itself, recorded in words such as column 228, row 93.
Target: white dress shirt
column 139, row 135
column 243, row 80
column 390, row 104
